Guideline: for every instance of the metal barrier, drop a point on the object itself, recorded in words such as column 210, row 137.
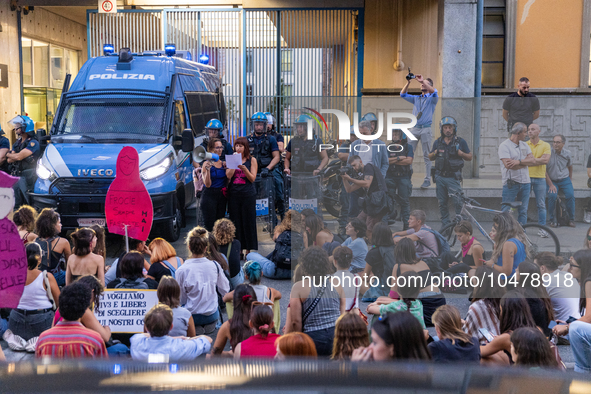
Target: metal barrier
column 265, row 202
column 303, row 191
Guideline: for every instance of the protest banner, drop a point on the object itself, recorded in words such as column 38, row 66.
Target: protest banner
column 13, row 259
column 123, row 310
column 128, row 206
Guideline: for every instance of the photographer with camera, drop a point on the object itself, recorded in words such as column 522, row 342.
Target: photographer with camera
column 22, row 159
column 398, row 177
column 449, row 152
column 375, row 203
column 423, row 108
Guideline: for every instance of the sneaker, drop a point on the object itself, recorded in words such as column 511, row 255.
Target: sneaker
column 15, row 342
column 587, row 216
column 31, row 345
column 553, row 224
column 426, row 184
column 572, row 224
column 543, row 234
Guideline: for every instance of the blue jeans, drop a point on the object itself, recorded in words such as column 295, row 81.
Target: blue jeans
column 29, row 326
column 279, row 193
column 118, row 349
column 3, row 326
column 580, row 343
column 445, row 186
column 402, row 188
column 566, row 186
column 354, row 208
column 344, row 199
column 323, row 339
column 270, row 270
column 539, row 187
column 518, row 192
column 237, row 280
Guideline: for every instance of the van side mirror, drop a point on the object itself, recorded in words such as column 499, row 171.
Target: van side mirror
column 43, row 138
column 188, row 141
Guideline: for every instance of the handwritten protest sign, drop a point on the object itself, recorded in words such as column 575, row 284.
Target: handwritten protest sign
column 300, row 204
column 124, row 310
column 128, row 201
column 13, row 259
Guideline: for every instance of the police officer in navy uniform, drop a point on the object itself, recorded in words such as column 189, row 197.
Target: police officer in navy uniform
column 22, row 159
column 214, row 129
column 449, row 152
column 398, row 177
column 278, row 170
column 272, row 131
column 4, row 148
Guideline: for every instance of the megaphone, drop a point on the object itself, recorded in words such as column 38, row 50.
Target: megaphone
column 200, row 154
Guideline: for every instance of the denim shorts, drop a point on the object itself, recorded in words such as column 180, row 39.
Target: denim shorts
column 29, row 326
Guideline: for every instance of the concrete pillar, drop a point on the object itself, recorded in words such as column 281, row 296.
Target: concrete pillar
column 457, row 51
column 10, row 98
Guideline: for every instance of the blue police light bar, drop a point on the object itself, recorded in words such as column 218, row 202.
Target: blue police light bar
column 108, row 49
column 169, row 49
column 204, row 58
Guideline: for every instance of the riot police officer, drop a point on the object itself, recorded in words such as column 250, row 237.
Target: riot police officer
column 449, row 152
column 304, row 155
column 22, row 159
column 398, row 177
column 278, row 170
column 4, row 148
column 214, row 129
column 373, row 119
column 273, row 132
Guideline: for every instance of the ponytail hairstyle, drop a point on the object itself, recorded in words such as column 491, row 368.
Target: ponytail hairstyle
column 25, row 217
column 447, row 319
column 261, row 319
column 34, row 253
column 197, row 241
column 343, row 256
column 253, row 270
column 411, row 289
column 214, row 254
column 100, row 247
column 82, row 239
column 240, row 329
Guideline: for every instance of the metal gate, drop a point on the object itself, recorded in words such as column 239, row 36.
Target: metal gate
column 279, row 61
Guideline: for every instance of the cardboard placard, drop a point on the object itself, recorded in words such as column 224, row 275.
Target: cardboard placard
column 128, row 201
column 123, row 310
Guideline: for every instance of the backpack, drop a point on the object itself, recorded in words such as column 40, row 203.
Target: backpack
column 442, row 244
column 281, row 256
column 139, row 284
column 562, row 217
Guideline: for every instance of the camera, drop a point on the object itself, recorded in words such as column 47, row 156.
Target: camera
column 349, row 171
column 410, row 75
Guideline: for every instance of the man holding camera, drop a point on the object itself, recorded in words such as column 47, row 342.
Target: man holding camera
column 515, row 156
column 449, row 152
column 398, row 177
column 423, row 108
column 375, row 203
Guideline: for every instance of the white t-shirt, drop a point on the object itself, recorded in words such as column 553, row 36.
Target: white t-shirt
column 509, row 150
column 351, row 291
column 565, row 299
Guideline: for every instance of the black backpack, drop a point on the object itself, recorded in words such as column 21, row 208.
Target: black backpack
column 139, row 283
column 562, row 217
column 288, row 247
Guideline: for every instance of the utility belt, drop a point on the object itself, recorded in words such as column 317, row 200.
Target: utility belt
column 457, row 175
column 396, row 173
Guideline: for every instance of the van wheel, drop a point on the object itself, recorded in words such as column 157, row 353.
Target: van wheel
column 172, row 228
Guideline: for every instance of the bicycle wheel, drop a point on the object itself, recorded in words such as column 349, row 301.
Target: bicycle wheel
column 538, row 242
column 450, row 235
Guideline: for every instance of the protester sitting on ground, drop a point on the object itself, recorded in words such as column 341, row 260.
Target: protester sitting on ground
column 356, row 230
column 454, row 345
column 56, row 250
column 485, row 307
column 350, row 333
column 531, row 349
column 212, row 253
column 132, row 276
column 315, row 309
column 254, row 274
column 169, row 293
column 379, row 262
column 114, row 270
column 408, row 298
column 200, row 280
column 262, row 343
column 472, row 251
column 515, row 314
column 69, row 338
column 406, row 260
column 510, row 247
column 158, row 322
column 579, row 331
column 288, row 244
column 587, row 241
column 342, row 257
column 295, row 344
column 530, row 284
column 83, row 261
column 395, row 336
column 100, row 248
column 237, row 329
column 34, row 312
column 224, row 232
column 24, row 218
column 163, row 260
column 425, row 241
column 316, row 234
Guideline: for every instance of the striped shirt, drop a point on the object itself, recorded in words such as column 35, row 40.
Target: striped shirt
column 480, row 316
column 70, row 340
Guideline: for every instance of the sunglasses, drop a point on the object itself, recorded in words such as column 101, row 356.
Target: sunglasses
column 256, row 303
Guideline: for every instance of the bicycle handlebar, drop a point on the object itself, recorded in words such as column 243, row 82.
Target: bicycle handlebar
column 465, row 199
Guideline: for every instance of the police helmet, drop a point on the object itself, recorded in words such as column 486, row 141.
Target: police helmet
column 270, row 118
column 22, row 121
column 259, row 117
column 302, row 119
column 448, row 120
column 215, row 124
column 403, row 137
column 370, row 116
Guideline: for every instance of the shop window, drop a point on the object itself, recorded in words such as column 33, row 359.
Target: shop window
column 493, row 44
column 249, row 61
column 27, row 61
column 287, row 92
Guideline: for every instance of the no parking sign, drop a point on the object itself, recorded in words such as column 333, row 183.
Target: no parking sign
column 107, row 6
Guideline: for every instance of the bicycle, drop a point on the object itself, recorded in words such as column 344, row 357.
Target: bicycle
column 532, row 231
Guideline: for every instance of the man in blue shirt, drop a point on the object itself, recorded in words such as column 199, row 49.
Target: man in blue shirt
column 22, row 159
column 423, row 108
column 4, row 148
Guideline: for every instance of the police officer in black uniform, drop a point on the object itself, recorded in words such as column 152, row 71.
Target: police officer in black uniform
column 22, row 159
column 398, row 177
column 214, row 129
column 449, row 152
column 278, row 170
column 4, row 148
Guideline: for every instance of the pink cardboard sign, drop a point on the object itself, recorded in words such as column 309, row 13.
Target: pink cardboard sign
column 128, row 201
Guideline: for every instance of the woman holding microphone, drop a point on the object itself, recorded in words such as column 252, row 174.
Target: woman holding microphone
column 213, row 200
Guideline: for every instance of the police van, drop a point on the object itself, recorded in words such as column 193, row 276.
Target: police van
column 158, row 104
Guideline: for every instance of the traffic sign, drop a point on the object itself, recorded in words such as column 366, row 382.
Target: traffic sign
column 107, row 6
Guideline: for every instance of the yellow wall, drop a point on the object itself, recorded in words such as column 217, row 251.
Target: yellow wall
column 548, row 42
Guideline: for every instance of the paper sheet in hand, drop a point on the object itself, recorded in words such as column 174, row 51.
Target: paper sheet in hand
column 233, row 161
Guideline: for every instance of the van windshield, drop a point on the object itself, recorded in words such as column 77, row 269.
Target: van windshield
column 114, row 121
